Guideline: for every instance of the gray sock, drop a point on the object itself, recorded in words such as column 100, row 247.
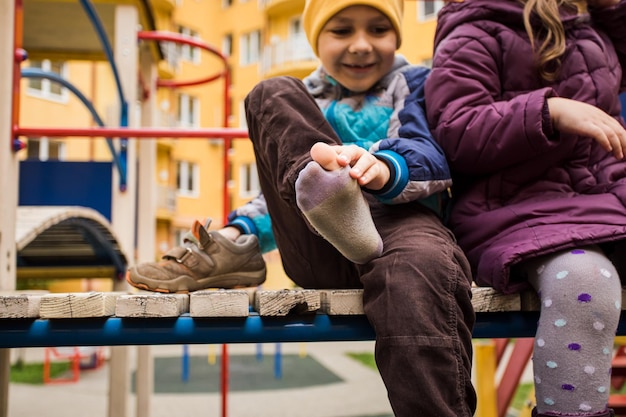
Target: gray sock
column 334, row 205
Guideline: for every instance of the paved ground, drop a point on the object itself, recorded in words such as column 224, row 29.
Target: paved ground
column 357, row 391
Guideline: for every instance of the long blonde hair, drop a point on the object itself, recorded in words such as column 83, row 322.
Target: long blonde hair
column 552, row 37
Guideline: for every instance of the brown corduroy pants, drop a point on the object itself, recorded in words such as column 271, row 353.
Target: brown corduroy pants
column 417, row 295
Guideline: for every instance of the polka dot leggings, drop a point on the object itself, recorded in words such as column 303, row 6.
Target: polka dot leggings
column 580, row 295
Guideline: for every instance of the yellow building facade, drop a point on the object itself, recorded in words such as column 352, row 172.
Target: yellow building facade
column 259, row 38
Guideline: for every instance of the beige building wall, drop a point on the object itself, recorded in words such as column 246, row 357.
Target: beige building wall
column 418, row 33
column 38, row 109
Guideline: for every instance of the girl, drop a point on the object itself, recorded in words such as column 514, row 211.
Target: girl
column 524, row 99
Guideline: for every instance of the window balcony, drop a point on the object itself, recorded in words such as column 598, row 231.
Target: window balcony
column 293, row 56
column 166, row 201
column 281, row 7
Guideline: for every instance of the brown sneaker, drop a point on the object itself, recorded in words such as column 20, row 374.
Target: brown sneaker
column 206, row 260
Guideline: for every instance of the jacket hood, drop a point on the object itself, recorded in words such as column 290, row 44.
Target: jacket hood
column 506, row 12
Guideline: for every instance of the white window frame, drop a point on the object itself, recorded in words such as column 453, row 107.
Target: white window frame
column 248, row 181
column 243, row 121
column 187, row 172
column 187, row 52
column 227, row 44
column 188, row 112
column 421, row 12
column 296, row 28
column 45, row 91
column 179, row 236
column 250, row 47
column 44, row 148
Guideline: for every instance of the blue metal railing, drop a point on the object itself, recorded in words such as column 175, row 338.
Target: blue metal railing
column 111, row 331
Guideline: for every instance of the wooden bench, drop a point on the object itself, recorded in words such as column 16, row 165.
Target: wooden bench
column 243, row 316
column 224, row 316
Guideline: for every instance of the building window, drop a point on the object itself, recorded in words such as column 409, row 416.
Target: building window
column 179, row 236
column 250, row 45
column 45, row 149
column 44, row 88
column 295, row 27
column 187, row 179
column 188, row 112
column 227, row 44
column 427, row 10
column 249, row 181
column 188, row 52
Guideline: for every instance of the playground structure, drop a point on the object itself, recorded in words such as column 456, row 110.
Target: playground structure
column 129, row 181
column 131, row 191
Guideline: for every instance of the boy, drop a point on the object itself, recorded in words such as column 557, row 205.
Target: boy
column 354, row 184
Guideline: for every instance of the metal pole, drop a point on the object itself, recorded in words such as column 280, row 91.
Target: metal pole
column 143, row 132
column 10, row 42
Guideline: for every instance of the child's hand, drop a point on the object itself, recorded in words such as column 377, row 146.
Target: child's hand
column 368, row 170
column 583, row 119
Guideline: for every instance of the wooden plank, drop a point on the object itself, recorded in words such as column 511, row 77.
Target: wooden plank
column 283, row 302
column 20, row 305
column 77, row 305
column 342, row 302
column 151, row 305
column 485, row 299
column 224, row 303
column 219, row 303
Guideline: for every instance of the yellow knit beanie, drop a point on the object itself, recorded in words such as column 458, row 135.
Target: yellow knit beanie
column 318, row 12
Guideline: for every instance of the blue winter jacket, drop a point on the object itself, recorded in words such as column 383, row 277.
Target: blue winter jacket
column 389, row 121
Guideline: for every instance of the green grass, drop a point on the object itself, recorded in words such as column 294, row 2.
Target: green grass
column 32, row 373
column 521, row 395
column 366, row 359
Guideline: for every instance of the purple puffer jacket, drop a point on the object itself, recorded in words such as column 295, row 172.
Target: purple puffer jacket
column 522, row 190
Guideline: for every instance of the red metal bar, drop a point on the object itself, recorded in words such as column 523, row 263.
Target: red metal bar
column 143, row 132
column 522, row 351
column 618, row 369
column 178, row 38
column 191, row 83
column 18, row 33
column 225, row 380
column 501, row 345
column 226, row 207
column 227, row 146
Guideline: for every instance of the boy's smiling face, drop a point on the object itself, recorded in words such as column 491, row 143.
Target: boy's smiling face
column 357, row 47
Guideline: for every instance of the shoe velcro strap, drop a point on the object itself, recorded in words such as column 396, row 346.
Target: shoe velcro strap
column 178, row 254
